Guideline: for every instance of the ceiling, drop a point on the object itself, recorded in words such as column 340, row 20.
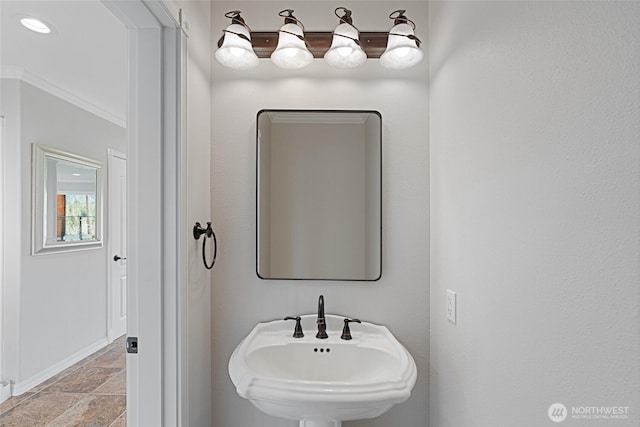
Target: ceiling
column 83, row 60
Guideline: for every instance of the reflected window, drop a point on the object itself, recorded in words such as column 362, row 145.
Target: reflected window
column 67, row 201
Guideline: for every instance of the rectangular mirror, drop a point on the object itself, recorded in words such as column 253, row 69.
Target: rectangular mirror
column 66, row 205
column 319, row 195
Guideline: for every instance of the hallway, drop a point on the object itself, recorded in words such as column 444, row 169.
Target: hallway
column 90, row 393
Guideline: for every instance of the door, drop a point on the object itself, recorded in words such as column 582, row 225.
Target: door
column 117, row 183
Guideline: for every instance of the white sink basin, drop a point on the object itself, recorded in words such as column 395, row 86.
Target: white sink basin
column 322, row 382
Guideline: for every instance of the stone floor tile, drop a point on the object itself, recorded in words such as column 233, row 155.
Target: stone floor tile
column 13, row 401
column 114, row 358
column 117, row 384
column 93, row 411
column 84, row 380
column 39, row 409
column 120, row 422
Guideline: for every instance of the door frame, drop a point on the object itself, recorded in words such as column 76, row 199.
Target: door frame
column 5, row 387
column 155, row 192
column 111, row 153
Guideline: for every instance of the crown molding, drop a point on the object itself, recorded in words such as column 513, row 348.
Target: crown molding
column 10, row 72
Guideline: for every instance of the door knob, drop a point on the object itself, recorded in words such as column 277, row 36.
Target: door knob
column 118, row 258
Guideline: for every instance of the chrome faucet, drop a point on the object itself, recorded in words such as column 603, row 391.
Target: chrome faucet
column 322, row 325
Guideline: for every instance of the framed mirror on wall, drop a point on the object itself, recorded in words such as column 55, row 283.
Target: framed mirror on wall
column 319, row 195
column 66, row 206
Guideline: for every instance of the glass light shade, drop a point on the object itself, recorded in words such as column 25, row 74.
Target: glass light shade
column 291, row 52
column 344, row 52
column 236, row 52
column 401, row 52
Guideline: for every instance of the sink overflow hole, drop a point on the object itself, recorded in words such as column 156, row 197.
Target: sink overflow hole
column 322, row 350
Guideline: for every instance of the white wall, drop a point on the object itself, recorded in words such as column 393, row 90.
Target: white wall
column 59, row 300
column 198, row 98
column 535, row 172
column 84, row 59
column 239, row 298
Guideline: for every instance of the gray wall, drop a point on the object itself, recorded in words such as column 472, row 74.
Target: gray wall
column 61, row 297
column 239, row 298
column 535, row 184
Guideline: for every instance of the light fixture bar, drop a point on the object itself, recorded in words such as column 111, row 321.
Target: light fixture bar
column 265, row 42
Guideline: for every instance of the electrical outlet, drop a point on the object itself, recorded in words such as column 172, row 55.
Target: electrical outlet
column 451, row 306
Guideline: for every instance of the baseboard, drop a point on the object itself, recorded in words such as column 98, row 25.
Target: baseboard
column 29, row 383
column 5, row 390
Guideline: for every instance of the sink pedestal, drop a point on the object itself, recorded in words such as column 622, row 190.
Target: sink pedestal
column 320, row 423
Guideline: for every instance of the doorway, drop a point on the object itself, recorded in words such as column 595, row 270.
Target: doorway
column 117, row 244
column 153, row 211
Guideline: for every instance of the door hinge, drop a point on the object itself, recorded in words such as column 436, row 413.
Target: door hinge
column 132, row 344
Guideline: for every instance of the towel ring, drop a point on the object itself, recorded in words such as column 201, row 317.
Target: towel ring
column 208, row 232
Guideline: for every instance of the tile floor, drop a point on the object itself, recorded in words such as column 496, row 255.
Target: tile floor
column 91, row 393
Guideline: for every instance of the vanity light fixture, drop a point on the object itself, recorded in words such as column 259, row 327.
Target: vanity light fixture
column 34, row 24
column 403, row 48
column 292, row 51
column 345, row 50
column 234, row 47
column 344, row 47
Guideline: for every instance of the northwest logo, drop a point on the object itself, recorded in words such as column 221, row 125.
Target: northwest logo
column 557, row 412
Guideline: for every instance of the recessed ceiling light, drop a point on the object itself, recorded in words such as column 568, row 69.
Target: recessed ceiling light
column 35, row 24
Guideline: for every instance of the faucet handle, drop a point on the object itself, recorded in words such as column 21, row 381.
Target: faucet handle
column 346, row 332
column 297, row 332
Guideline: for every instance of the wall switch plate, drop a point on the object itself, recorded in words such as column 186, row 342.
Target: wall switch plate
column 451, row 306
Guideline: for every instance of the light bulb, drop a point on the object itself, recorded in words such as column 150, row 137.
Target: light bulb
column 35, row 25
column 401, row 52
column 344, row 51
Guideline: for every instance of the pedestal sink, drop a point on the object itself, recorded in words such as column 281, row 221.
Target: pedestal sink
column 322, row 382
